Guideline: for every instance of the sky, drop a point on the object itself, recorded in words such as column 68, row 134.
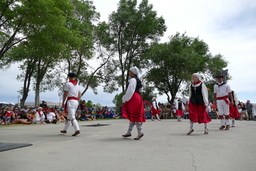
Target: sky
column 227, row 26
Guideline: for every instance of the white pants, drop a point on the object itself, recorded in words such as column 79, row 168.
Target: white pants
column 71, row 108
column 223, row 109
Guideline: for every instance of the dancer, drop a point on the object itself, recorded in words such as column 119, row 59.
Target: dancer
column 222, row 94
column 133, row 107
column 179, row 109
column 198, row 101
column 155, row 110
column 233, row 108
column 70, row 103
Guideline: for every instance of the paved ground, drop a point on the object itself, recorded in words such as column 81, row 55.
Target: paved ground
column 165, row 147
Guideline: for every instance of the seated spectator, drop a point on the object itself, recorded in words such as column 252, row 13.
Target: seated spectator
column 111, row 113
column 15, row 115
column 39, row 117
column 60, row 116
column 1, row 116
column 24, row 109
column 99, row 114
column 22, row 121
column 8, row 115
column 50, row 117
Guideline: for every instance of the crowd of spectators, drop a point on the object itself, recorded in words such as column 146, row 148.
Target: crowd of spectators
column 43, row 114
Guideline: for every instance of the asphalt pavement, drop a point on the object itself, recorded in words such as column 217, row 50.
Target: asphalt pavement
column 100, row 147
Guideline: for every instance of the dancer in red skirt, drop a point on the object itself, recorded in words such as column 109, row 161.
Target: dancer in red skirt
column 179, row 109
column 133, row 106
column 233, row 111
column 198, row 101
column 155, row 110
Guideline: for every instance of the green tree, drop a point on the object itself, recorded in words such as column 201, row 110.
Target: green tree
column 95, row 46
column 44, row 35
column 173, row 63
column 132, row 28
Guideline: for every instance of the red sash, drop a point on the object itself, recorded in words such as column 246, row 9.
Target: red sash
column 69, row 98
column 225, row 98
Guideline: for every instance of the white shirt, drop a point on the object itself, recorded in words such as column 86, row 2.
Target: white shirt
column 50, row 116
column 38, row 117
column 155, row 105
column 235, row 99
column 73, row 90
column 130, row 90
column 222, row 90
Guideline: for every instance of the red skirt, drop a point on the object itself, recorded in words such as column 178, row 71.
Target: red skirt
column 233, row 112
column 134, row 109
column 179, row 112
column 197, row 113
column 155, row 111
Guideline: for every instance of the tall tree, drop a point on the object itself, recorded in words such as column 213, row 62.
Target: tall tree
column 132, row 28
column 45, row 35
column 95, row 46
column 173, row 63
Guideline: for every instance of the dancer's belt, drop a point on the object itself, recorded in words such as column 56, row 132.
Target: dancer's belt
column 69, row 98
column 72, row 98
column 225, row 98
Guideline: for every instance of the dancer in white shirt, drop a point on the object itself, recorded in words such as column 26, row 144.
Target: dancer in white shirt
column 70, row 103
column 155, row 110
column 222, row 94
column 133, row 106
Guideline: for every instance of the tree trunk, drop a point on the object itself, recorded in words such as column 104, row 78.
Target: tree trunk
column 37, row 94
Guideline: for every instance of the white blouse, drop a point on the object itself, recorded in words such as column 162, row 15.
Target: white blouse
column 130, row 90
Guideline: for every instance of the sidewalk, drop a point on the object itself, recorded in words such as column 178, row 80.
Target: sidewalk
column 165, row 147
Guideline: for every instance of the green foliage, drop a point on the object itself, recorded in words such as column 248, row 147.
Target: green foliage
column 173, row 63
column 118, row 101
column 132, row 27
column 89, row 103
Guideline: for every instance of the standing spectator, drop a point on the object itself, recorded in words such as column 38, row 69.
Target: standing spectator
column 133, row 106
column 70, row 103
column 198, row 101
column 179, row 109
column 222, row 94
column 249, row 108
column 166, row 112
column 155, row 110
column 244, row 111
column 83, row 106
column 43, row 105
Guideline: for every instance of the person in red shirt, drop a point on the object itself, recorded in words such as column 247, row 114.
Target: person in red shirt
column 8, row 114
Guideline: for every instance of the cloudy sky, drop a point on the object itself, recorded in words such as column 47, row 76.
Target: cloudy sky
column 227, row 26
